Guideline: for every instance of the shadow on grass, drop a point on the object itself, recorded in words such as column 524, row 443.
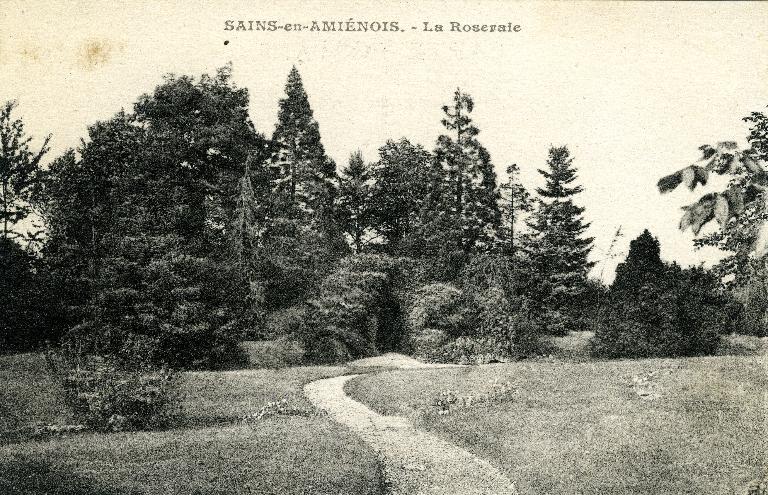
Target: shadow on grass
column 25, row 476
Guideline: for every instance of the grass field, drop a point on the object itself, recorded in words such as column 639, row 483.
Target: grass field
column 583, row 427
column 212, row 453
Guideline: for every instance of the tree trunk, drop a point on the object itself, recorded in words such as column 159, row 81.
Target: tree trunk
column 512, row 222
column 5, row 210
column 459, row 164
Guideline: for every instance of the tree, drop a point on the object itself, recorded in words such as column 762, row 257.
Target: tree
column 355, row 201
column 246, row 226
column 302, row 237
column 740, row 209
column 660, row 310
column 303, row 175
column 401, row 181
column 19, row 168
column 201, row 136
column 247, row 232
column 642, row 266
column 83, row 194
column 469, row 180
column 556, row 245
column 515, row 202
column 140, row 222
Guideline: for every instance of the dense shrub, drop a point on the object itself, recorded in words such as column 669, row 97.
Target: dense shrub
column 497, row 297
column 439, row 306
column 488, row 319
column 471, row 350
column 436, row 317
column 511, row 325
column 357, row 312
column 755, row 312
column 106, row 397
column 658, row 310
column 429, row 344
column 151, row 304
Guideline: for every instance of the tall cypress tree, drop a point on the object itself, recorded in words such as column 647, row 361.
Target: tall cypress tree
column 304, row 176
column 556, row 244
column 247, row 227
column 469, row 180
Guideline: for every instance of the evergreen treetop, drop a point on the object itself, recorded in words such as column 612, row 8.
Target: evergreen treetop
column 555, row 243
column 561, row 173
column 643, row 263
column 354, row 200
column 468, row 186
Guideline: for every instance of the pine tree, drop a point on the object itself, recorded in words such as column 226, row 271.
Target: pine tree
column 354, row 201
column 469, row 180
column 556, row 244
column 304, row 175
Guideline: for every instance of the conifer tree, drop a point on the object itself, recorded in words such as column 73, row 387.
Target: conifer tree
column 302, row 237
column 136, row 225
column 642, row 266
column 556, row 244
column 304, row 175
column 469, row 180
column 354, row 200
column 515, row 202
column 247, row 226
column 660, row 310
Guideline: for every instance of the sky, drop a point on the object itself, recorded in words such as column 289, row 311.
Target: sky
column 633, row 89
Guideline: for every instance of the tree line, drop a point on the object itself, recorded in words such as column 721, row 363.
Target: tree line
column 176, row 230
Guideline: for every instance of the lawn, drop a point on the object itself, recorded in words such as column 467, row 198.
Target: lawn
column 211, row 451
column 27, row 395
column 583, row 427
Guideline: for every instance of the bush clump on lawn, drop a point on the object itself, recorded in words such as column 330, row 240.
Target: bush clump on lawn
column 357, row 312
column 107, row 397
column 660, row 310
column 437, row 316
column 754, row 316
column 477, row 324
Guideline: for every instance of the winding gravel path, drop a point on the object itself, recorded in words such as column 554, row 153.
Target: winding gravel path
column 416, row 462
